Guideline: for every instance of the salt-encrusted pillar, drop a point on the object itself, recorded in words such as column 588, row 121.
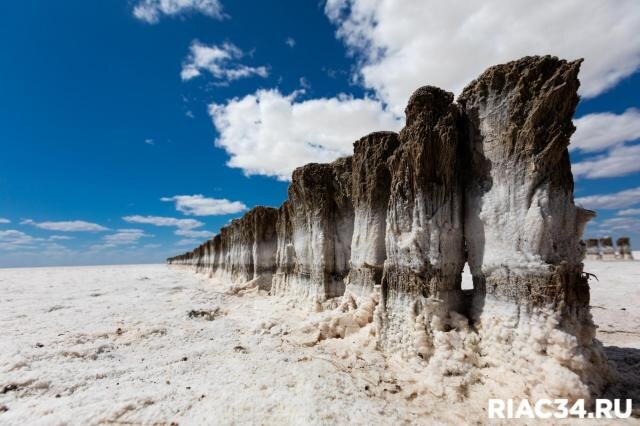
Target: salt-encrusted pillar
column 315, row 231
column 263, row 220
column 624, row 248
column 424, row 233
column 371, row 181
column 245, row 250
column 523, row 229
column 608, row 252
column 593, row 249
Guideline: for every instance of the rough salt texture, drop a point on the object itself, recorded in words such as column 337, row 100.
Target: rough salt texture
column 424, row 235
column 314, row 232
column 522, row 227
column 485, row 180
column 624, row 248
column 370, row 188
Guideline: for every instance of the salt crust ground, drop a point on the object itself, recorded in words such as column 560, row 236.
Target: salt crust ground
column 116, row 344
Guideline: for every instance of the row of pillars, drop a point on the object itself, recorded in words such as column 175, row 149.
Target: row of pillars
column 602, row 249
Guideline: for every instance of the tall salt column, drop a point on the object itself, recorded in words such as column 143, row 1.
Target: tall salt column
column 424, row 233
column 522, row 228
column 370, row 186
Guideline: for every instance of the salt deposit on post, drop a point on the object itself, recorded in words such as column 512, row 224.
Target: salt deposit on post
column 486, row 180
column 593, row 249
column 624, row 248
column 608, row 252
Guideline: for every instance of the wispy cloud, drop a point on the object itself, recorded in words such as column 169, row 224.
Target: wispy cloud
column 122, row 237
column 188, row 242
column 60, row 237
column 149, row 142
column 290, row 41
column 66, row 226
column 164, row 221
column 151, row 10
column 220, row 61
column 617, row 200
column 193, row 234
column 629, row 212
column 13, row 239
column 3, row 220
column 199, row 205
column 125, row 236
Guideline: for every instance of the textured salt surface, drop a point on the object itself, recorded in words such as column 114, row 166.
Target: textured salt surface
column 147, row 344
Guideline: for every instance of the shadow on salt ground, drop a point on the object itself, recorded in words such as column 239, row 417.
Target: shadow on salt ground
column 627, row 361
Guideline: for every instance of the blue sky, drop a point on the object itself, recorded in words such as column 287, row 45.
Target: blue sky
column 131, row 130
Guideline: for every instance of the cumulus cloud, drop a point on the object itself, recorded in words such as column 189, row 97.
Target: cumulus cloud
column 617, row 200
column 220, row 61
column 600, row 131
column 151, row 10
column 3, row 220
column 164, row 221
column 290, row 41
column 268, row 133
column 66, row 226
column 618, row 161
column 199, row 205
column 404, row 45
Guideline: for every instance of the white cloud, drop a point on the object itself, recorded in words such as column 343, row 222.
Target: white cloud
column 66, row 226
column 618, row 161
column 600, row 131
column 625, row 224
column 219, row 61
column 164, row 221
column 124, row 237
column 188, row 242
column 404, row 45
column 60, row 237
column 194, row 234
column 617, row 200
column 290, row 41
column 149, row 142
column 199, row 205
column 12, row 239
column 271, row 134
column 629, row 212
column 151, row 10
column 3, row 220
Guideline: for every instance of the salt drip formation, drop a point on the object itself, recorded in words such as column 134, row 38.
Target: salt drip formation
column 485, row 180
